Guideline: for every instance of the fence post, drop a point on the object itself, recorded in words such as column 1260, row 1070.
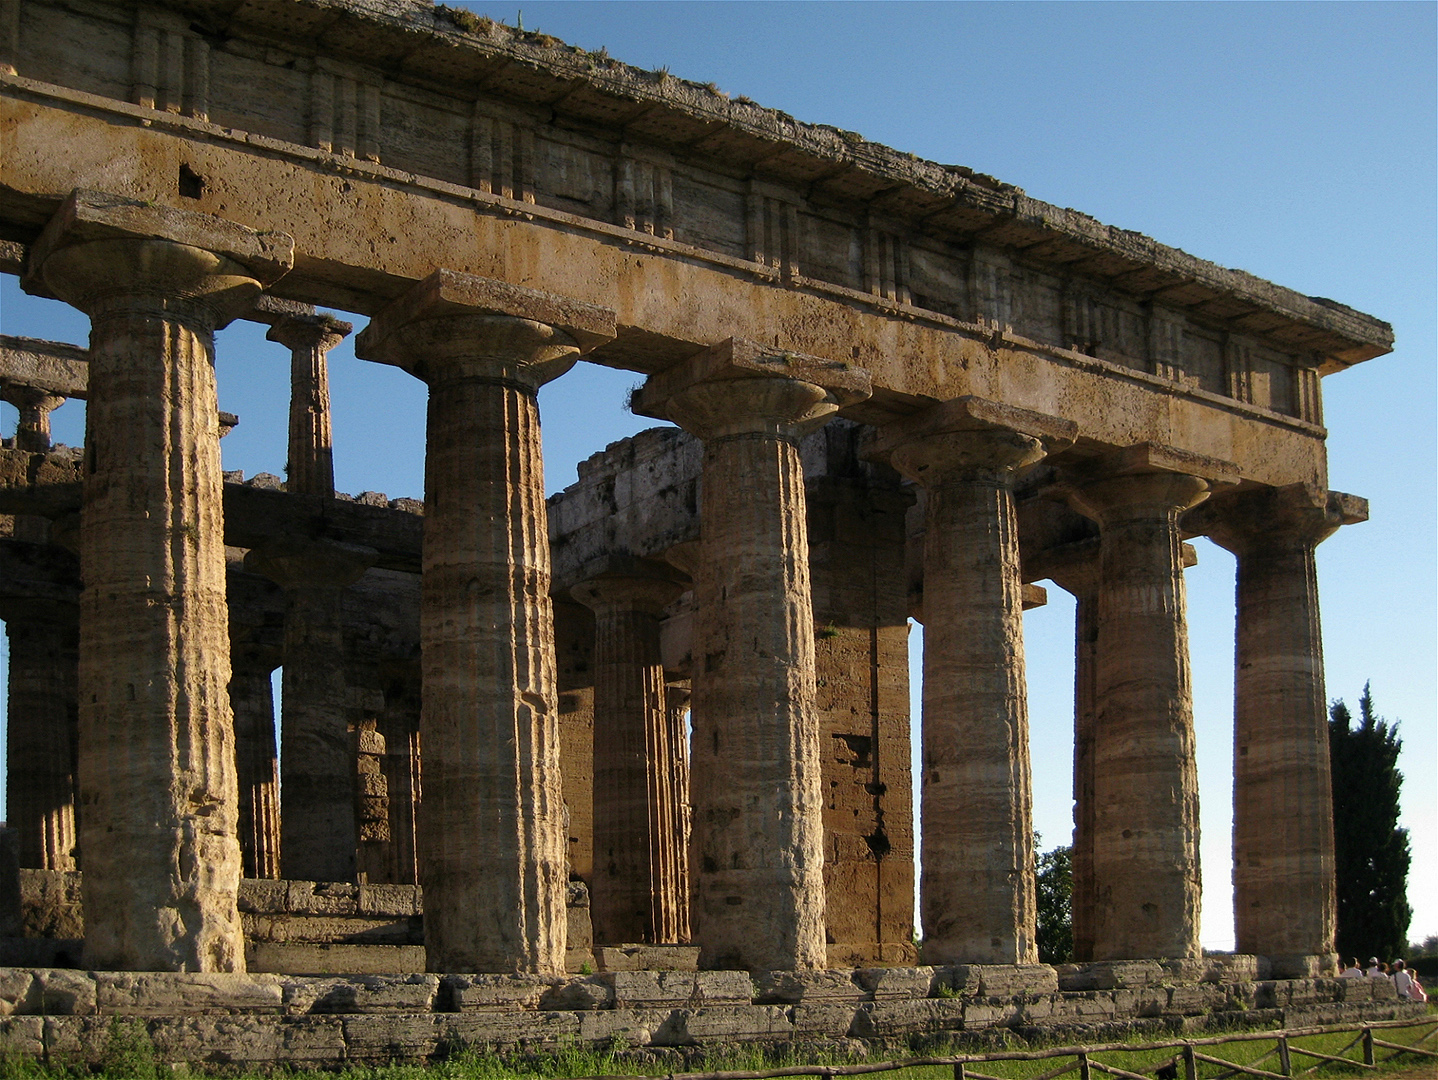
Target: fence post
column 1285, row 1063
column 1190, row 1063
column 959, row 1071
column 1368, row 1046
column 1083, row 1066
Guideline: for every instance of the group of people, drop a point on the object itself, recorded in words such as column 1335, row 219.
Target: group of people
column 1404, row 981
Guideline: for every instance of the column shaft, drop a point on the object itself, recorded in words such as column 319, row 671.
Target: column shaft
column 491, row 825
column 676, row 709
column 256, row 763
column 757, row 846
column 156, row 737
column 40, row 732
column 1145, row 779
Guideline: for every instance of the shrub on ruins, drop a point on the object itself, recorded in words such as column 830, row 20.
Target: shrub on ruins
column 1054, row 901
column 1371, row 852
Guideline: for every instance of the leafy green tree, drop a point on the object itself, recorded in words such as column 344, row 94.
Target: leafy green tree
column 1371, row 852
column 1054, row 901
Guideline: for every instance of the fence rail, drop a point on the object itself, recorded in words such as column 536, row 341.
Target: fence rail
column 1188, row 1055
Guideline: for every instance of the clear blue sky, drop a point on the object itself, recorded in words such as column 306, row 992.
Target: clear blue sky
column 1295, row 141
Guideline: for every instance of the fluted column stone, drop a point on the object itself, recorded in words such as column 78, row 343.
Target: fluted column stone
column 252, row 700
column 1283, row 863
column 977, row 890
column 318, row 826
column 757, row 841
column 310, row 338
column 676, row 712
column 1147, row 885
column 40, row 728
column 635, row 892
column 491, row 826
column 156, row 754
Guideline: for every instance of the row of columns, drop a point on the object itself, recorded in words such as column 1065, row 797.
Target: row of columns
column 156, row 738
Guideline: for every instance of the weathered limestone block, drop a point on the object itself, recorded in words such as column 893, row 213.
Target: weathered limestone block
column 999, row 980
column 460, row 993
column 823, row 1019
column 797, row 987
column 361, row 994
column 897, row 982
column 333, row 929
column 630, row 1027
column 756, row 849
column 385, row 1039
column 890, row 1018
column 740, row 1023
column 495, row 872
column 506, row 1029
column 1283, row 868
column 1145, row 860
column 977, row 891
column 578, row 994
column 636, row 892
column 300, row 958
column 678, row 988
column 156, row 762
column 50, row 904
column 184, row 993
column 645, row 957
column 23, row 1036
column 324, row 897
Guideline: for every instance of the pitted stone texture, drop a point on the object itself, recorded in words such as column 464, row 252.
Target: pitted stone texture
column 678, row 988
column 157, row 769
column 301, row 958
column 410, row 993
column 757, row 846
column 491, row 825
column 636, row 891
column 897, row 982
column 1145, row 856
column 171, row 993
column 1283, row 860
column 646, row 957
column 800, row 987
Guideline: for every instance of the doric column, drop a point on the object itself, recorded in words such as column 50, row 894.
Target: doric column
column 318, row 827
column 256, row 761
column 635, row 894
column 310, row 338
column 676, row 713
column 32, row 432
column 757, row 845
column 156, row 757
column 491, row 826
column 1145, row 779
column 976, row 889
column 1283, row 869
column 40, row 727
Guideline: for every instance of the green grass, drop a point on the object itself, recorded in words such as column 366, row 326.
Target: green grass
column 129, row 1055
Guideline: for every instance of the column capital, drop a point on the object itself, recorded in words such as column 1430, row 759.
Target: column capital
column 295, row 565
column 101, row 252
column 634, row 585
column 1297, row 515
column 740, row 387
column 322, row 332
column 969, row 438
column 1142, row 480
column 459, row 326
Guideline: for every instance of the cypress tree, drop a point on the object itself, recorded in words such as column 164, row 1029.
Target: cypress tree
column 1371, row 851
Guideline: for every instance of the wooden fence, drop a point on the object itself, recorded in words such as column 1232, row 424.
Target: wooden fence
column 1285, row 1057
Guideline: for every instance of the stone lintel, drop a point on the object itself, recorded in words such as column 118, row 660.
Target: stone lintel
column 1034, row 596
column 738, row 358
column 1259, row 510
column 52, row 366
column 1148, row 457
column 967, row 414
column 293, row 562
column 448, row 292
column 271, row 310
column 616, row 565
column 95, row 215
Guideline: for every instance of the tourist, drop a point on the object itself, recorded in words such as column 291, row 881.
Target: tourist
column 1402, row 981
column 1352, row 971
column 1375, row 969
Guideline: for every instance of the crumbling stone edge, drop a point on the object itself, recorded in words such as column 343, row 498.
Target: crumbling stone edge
column 64, row 1016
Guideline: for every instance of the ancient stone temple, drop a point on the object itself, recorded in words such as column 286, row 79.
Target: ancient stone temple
column 657, row 726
